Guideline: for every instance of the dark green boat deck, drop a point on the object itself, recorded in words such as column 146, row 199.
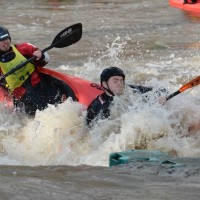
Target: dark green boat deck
column 131, row 156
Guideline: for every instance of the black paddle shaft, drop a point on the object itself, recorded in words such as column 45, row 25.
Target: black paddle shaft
column 65, row 38
column 173, row 95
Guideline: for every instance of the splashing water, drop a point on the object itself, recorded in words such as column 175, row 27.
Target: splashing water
column 58, row 135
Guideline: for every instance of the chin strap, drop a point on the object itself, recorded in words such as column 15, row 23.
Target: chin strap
column 108, row 90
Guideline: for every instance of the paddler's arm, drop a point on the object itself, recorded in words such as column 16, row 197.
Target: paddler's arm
column 29, row 50
column 140, row 89
column 42, row 58
column 160, row 94
column 93, row 111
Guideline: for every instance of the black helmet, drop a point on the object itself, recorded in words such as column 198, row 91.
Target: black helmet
column 4, row 33
column 109, row 72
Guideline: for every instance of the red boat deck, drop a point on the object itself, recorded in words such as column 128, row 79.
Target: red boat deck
column 188, row 7
column 85, row 91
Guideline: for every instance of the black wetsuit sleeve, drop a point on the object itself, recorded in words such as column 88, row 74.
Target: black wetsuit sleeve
column 93, row 110
column 140, row 89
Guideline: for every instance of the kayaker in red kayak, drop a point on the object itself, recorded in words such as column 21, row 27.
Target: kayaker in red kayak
column 26, row 85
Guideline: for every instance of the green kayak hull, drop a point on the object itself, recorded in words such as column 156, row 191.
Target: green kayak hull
column 132, row 156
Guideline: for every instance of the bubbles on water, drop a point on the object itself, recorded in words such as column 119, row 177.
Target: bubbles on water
column 58, row 135
column 41, row 140
column 111, row 56
column 11, row 123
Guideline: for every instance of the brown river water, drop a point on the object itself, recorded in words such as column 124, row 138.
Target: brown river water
column 54, row 156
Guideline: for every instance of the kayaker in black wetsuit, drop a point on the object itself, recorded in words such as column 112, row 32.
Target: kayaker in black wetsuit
column 113, row 80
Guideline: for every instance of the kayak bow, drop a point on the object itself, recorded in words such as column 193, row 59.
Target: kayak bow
column 82, row 90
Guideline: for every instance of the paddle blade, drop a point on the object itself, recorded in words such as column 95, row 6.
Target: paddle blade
column 190, row 84
column 68, row 36
column 65, row 38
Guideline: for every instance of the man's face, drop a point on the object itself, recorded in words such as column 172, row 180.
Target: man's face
column 115, row 84
column 5, row 45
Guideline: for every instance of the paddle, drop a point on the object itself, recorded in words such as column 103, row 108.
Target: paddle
column 65, row 38
column 194, row 82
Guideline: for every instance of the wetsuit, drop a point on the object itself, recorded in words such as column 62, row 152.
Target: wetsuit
column 100, row 107
column 27, row 86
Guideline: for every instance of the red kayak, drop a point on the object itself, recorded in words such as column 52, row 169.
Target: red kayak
column 82, row 90
column 195, row 8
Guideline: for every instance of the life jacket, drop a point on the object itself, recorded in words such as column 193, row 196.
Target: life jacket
column 17, row 78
